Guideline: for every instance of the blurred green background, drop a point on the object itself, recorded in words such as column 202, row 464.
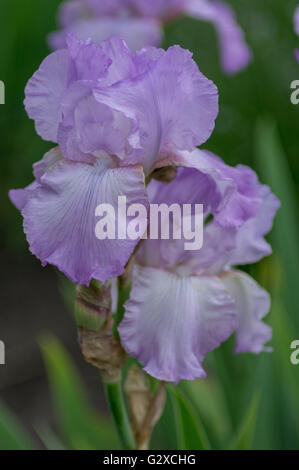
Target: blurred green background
column 247, row 401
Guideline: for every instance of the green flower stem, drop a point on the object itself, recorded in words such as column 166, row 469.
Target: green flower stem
column 118, row 409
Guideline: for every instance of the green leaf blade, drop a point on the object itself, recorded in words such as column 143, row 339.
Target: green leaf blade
column 190, row 432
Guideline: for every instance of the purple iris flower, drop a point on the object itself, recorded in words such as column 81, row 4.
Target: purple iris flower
column 114, row 115
column 120, row 119
column 140, row 22
column 183, row 304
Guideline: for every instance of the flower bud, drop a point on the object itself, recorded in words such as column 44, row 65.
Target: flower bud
column 93, row 309
column 104, row 352
column 93, row 305
column 145, row 406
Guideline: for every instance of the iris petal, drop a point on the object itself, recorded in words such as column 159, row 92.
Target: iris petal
column 59, row 218
column 171, row 322
column 252, row 304
column 171, row 103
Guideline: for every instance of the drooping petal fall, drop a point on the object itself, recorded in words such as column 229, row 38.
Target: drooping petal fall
column 60, row 219
column 171, row 322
